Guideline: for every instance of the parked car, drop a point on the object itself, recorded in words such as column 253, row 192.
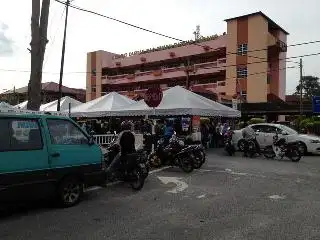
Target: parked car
column 46, row 156
column 266, row 131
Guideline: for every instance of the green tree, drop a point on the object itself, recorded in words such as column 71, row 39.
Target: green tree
column 310, row 87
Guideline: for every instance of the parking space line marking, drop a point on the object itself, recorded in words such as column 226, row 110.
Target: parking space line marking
column 92, row 189
column 159, row 169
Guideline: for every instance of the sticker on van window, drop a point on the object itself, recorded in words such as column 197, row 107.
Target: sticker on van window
column 21, row 129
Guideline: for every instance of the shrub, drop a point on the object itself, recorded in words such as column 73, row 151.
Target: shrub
column 256, row 120
column 204, row 120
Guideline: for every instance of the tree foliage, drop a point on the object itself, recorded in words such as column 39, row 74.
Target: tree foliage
column 310, row 87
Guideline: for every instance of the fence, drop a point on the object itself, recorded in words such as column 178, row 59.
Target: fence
column 104, row 139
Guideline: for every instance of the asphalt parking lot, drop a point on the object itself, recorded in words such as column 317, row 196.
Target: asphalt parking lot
column 228, row 198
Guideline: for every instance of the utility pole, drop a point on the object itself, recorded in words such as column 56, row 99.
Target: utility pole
column 62, row 54
column 301, row 88
column 196, row 33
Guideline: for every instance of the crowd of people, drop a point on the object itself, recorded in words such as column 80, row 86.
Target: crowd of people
column 212, row 133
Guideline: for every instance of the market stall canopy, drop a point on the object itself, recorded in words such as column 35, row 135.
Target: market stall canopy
column 102, row 106
column 6, row 108
column 64, row 105
column 180, row 101
column 4, row 105
column 22, row 105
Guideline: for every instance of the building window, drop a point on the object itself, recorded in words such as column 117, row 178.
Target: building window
column 242, row 72
column 222, row 93
column 93, row 89
column 243, row 49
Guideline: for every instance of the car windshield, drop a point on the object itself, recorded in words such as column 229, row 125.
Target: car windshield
column 288, row 130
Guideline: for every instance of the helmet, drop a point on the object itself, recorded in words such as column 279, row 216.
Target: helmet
column 125, row 125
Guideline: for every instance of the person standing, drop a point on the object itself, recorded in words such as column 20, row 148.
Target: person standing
column 212, row 131
column 204, row 134
column 249, row 134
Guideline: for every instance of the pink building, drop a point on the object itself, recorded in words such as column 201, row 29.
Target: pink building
column 246, row 61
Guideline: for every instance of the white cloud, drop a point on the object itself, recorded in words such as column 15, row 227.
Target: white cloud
column 6, row 44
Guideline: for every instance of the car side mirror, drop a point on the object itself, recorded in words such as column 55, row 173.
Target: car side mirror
column 284, row 133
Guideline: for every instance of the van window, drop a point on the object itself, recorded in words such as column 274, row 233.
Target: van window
column 64, row 132
column 4, row 135
column 20, row 134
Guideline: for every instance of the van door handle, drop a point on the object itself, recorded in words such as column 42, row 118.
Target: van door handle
column 55, row 155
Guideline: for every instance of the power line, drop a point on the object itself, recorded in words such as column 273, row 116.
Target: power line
column 174, row 38
column 54, row 38
column 234, row 65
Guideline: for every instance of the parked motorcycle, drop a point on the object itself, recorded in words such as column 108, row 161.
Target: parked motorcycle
column 172, row 154
column 228, row 143
column 197, row 150
column 282, row 148
column 133, row 168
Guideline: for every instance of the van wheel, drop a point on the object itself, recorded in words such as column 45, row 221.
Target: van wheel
column 70, row 191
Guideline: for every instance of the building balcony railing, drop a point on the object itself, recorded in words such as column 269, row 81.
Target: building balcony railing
column 167, row 73
column 213, row 87
column 275, row 42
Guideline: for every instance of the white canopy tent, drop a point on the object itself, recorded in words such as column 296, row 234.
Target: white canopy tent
column 180, row 101
column 102, row 106
column 52, row 106
column 6, row 108
column 64, row 105
column 22, row 106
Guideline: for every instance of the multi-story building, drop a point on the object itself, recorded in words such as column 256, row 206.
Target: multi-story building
column 49, row 92
column 247, row 60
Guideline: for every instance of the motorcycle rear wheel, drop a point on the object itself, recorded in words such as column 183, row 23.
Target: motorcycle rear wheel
column 252, row 150
column 295, row 155
column 186, row 164
column 138, row 183
column 230, row 151
column 154, row 160
column 269, row 153
column 199, row 159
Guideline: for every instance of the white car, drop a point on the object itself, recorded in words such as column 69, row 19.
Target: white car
column 266, row 131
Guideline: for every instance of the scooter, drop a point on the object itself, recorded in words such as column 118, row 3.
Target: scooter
column 281, row 148
column 132, row 167
column 173, row 155
column 197, row 150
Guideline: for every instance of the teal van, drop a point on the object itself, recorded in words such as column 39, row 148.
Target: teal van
column 47, row 156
